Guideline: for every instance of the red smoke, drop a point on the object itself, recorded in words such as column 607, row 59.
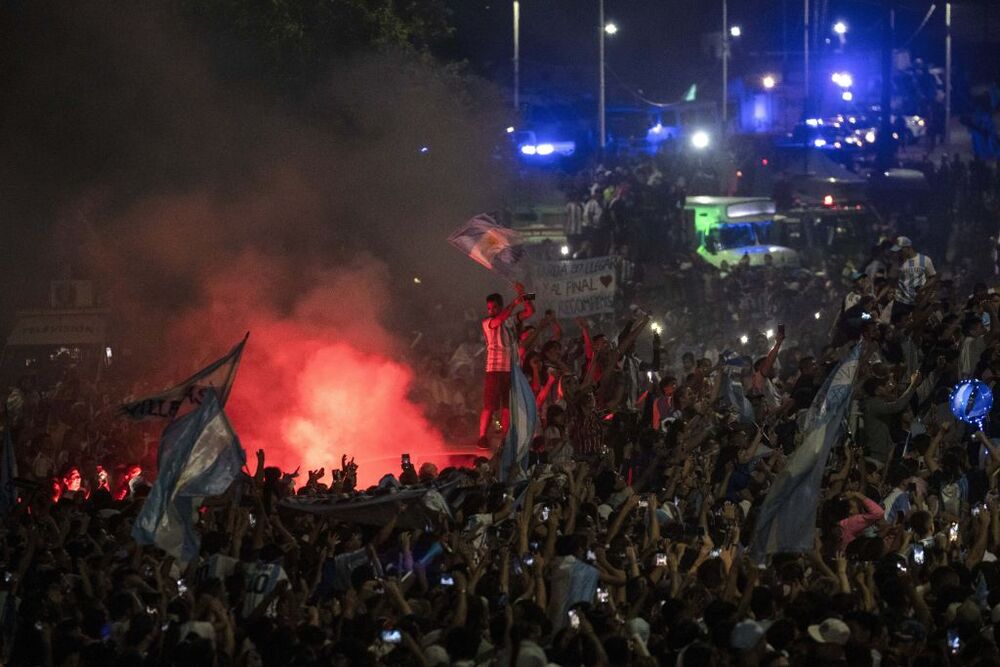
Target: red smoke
column 320, row 377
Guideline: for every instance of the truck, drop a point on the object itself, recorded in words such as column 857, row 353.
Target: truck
column 727, row 229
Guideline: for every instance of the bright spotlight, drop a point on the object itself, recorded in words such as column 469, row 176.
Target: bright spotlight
column 847, row 96
column 564, row 250
column 768, row 82
column 769, row 333
column 744, row 339
column 870, row 136
column 611, row 29
column 735, row 31
column 819, row 143
column 657, row 329
column 528, row 149
column 840, row 28
column 816, row 314
column 510, row 129
column 842, row 79
column 700, row 139
column 544, row 149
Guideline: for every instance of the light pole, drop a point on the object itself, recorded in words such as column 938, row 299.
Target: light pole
column 600, row 97
column 805, row 54
column 947, row 72
column 725, row 64
column 517, row 54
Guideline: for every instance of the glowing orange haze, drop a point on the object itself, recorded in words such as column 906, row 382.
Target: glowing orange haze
column 307, row 402
column 319, row 379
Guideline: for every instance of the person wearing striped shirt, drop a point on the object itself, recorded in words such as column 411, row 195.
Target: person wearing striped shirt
column 916, row 272
column 501, row 345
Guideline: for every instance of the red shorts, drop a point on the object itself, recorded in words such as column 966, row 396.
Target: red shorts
column 496, row 390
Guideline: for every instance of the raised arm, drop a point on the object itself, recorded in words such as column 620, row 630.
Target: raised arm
column 772, row 356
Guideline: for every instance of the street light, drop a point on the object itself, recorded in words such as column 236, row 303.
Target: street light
column 735, row 31
column 517, row 55
column 768, row 81
column 842, row 79
column 602, row 30
column 840, row 28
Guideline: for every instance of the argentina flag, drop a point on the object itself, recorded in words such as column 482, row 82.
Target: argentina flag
column 497, row 248
column 787, row 519
column 523, row 420
column 731, row 391
column 188, row 395
column 199, row 456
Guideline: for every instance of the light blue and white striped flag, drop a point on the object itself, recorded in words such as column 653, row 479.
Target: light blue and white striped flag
column 199, row 456
column 523, row 421
column 497, row 248
column 787, row 519
column 188, row 395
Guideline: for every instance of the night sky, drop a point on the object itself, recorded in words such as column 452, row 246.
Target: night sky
column 660, row 48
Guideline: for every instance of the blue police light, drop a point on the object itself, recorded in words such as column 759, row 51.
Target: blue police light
column 971, row 401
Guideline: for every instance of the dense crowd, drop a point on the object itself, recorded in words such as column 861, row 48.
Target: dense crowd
column 628, row 538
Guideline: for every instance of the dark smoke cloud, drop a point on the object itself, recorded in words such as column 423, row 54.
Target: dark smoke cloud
column 128, row 158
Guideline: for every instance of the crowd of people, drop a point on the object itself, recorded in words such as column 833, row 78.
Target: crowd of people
column 629, row 536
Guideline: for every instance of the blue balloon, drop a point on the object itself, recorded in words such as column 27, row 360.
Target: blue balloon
column 971, row 401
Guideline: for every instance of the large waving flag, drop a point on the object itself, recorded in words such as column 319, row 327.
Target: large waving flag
column 188, row 395
column 199, row 456
column 787, row 519
column 8, row 473
column 523, row 421
column 497, row 248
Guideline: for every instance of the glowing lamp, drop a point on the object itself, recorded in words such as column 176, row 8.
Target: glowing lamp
column 611, row 29
column 819, row 143
column 840, row 28
column 828, row 200
column 564, row 250
column 735, row 31
column 700, row 140
column 510, row 129
column 744, row 339
column 847, row 96
column 768, row 82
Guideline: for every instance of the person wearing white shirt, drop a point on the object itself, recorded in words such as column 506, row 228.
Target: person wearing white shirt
column 916, row 272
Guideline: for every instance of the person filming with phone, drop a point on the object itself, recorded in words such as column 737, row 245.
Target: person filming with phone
column 500, row 333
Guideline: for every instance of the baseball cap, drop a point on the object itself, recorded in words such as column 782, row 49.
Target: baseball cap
column 746, row 635
column 902, row 242
column 830, row 631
